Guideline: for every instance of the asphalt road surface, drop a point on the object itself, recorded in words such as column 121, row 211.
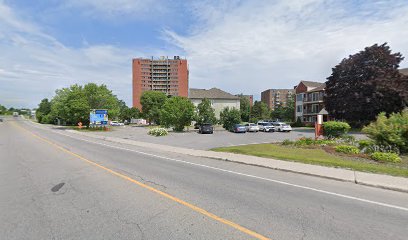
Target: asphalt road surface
column 55, row 185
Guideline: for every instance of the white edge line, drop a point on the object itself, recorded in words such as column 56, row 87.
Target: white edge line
column 243, row 174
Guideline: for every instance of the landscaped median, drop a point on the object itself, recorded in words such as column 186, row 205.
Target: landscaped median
column 318, row 155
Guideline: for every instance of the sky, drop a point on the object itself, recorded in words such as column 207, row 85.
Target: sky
column 240, row 46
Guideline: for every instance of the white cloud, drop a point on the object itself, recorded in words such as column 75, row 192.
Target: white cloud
column 34, row 64
column 251, row 46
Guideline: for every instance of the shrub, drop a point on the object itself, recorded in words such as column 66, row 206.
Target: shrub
column 347, row 149
column 335, row 129
column 298, row 123
column 324, row 142
column 304, row 141
column 348, row 139
column 158, row 132
column 310, row 141
column 386, row 157
column 287, row 142
column 230, row 117
column 392, row 131
column 177, row 112
column 365, row 143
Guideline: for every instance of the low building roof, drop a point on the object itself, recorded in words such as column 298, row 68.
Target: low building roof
column 319, row 88
column 311, row 84
column 213, row 93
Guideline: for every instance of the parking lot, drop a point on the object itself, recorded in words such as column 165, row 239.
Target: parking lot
column 220, row 138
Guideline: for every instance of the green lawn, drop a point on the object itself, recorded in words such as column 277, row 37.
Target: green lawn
column 318, row 156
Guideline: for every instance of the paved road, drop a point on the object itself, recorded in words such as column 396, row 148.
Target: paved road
column 207, row 141
column 54, row 185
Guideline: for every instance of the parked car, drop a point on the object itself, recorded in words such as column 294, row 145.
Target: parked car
column 282, row 127
column 206, row 128
column 116, row 123
column 238, row 128
column 252, row 127
column 266, row 127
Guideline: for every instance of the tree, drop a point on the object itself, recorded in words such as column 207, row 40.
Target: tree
column 126, row 114
column 205, row 113
column 177, row 112
column 152, row 101
column 100, row 97
column 72, row 105
column 3, row 110
column 245, row 108
column 259, row 111
column 365, row 84
column 230, row 117
column 43, row 112
column 284, row 113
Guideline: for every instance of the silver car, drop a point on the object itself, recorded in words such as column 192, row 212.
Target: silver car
column 252, row 127
column 266, row 127
column 282, row 127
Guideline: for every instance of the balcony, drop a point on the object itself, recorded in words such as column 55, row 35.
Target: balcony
column 313, row 99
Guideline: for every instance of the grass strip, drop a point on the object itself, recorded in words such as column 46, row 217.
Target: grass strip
column 316, row 157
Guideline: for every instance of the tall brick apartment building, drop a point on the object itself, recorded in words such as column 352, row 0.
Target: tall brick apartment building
column 276, row 97
column 159, row 74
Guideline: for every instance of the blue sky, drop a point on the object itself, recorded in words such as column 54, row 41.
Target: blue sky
column 236, row 45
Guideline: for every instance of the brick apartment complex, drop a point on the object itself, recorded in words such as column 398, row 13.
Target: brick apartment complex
column 276, row 97
column 162, row 74
column 310, row 101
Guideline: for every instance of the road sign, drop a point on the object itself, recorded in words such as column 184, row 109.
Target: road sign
column 98, row 117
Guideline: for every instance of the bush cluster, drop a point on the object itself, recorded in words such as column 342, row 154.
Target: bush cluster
column 333, row 129
column 370, row 146
column 386, row 157
column 308, row 142
column 391, row 131
column 347, row 149
column 158, row 132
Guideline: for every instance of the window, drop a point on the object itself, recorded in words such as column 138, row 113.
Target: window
column 315, row 108
column 299, row 108
column 299, row 97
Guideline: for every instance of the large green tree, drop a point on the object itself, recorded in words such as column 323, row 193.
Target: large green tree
column 43, row 111
column 245, row 108
column 72, row 105
column 365, row 84
column 205, row 113
column 100, row 97
column 177, row 112
column 230, row 117
column 152, row 102
column 260, row 111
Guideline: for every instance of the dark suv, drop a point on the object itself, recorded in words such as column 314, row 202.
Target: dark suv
column 206, row 128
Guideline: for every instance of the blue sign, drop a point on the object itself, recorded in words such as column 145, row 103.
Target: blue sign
column 98, row 117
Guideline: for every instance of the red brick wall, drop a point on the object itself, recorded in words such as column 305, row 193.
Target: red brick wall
column 183, row 78
column 301, row 88
column 266, row 97
column 136, row 83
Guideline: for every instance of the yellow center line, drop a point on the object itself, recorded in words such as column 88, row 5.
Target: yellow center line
column 175, row 199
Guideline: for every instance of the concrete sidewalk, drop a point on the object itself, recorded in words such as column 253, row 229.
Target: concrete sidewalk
column 369, row 179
